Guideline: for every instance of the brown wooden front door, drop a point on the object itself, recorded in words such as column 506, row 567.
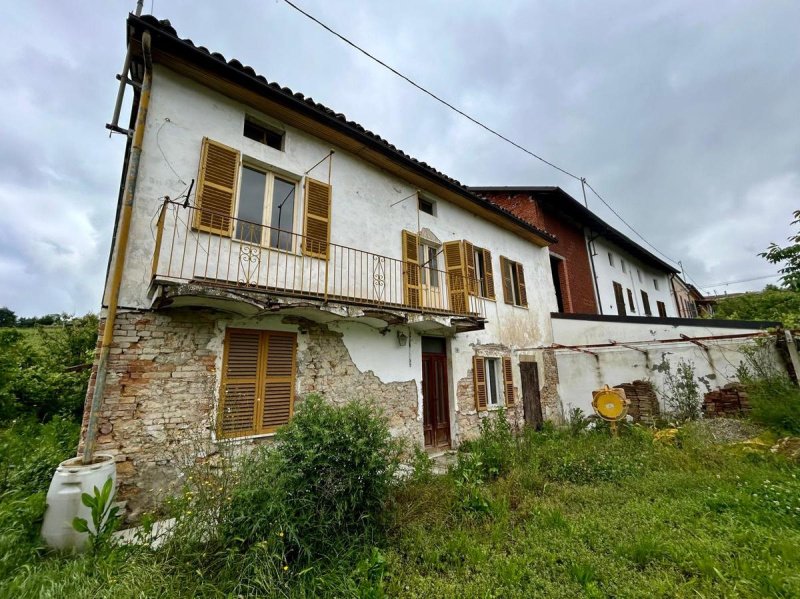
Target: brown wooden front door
column 435, row 404
column 531, row 400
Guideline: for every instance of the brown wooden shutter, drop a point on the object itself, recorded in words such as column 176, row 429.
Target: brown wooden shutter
column 412, row 292
column 479, row 382
column 523, row 293
column 508, row 284
column 469, row 263
column 489, row 274
column 277, row 402
column 240, row 374
column 216, row 187
column 317, row 219
column 456, row 283
column 508, row 381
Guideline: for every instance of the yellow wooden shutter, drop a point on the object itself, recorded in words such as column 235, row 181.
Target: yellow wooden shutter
column 240, row 376
column 317, row 219
column 523, row 294
column 508, row 381
column 277, row 402
column 508, row 284
column 479, row 382
column 469, row 262
column 412, row 292
column 216, row 187
column 488, row 274
column 456, row 283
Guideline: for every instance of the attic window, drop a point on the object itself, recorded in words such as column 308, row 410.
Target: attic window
column 427, row 206
column 262, row 134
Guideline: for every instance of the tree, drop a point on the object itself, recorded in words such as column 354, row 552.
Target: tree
column 789, row 255
column 773, row 303
column 7, row 317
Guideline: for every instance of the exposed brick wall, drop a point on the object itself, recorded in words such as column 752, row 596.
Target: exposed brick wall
column 730, row 400
column 578, row 287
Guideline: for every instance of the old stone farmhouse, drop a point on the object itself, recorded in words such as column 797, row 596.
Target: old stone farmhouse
column 277, row 249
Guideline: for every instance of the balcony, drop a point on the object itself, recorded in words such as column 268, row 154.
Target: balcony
column 209, row 250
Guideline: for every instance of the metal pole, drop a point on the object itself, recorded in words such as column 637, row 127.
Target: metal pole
column 123, row 79
column 119, row 254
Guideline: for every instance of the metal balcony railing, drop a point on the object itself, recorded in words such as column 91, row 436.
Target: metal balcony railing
column 202, row 246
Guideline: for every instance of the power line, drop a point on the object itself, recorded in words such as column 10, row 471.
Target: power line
column 739, row 281
column 472, row 119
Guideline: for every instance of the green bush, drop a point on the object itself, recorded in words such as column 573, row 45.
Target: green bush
column 774, row 398
column 324, row 484
column 493, row 450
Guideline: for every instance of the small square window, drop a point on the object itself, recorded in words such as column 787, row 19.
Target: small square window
column 611, row 259
column 655, row 284
column 622, row 264
column 262, row 134
column 427, row 206
column 639, row 274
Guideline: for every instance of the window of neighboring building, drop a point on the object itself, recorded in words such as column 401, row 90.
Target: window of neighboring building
column 611, row 259
column 646, row 303
column 623, row 266
column 655, row 284
column 662, row 309
column 263, row 134
column 619, row 298
column 427, row 206
column 514, row 291
column 639, row 275
column 266, row 199
column 494, row 385
column 258, row 377
column 631, row 303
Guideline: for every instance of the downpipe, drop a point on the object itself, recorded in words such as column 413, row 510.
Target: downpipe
column 120, row 251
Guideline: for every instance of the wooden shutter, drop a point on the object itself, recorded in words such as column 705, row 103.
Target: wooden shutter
column 646, row 303
column 216, row 187
column 508, row 381
column 479, row 383
column 508, row 284
column 620, row 299
column 240, row 375
column 412, row 292
column 523, row 293
column 278, row 383
column 469, row 264
column 317, row 219
column 456, row 282
column 488, row 274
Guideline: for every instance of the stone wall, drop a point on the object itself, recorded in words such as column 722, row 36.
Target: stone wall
column 162, row 385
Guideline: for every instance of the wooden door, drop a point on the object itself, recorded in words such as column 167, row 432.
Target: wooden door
column 435, row 404
column 531, row 400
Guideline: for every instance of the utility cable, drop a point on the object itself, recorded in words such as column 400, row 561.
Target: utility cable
column 471, row 119
column 739, row 281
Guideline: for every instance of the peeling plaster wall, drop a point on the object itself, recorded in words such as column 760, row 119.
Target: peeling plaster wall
column 581, row 373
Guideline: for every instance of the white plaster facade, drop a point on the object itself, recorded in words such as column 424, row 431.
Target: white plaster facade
column 636, row 276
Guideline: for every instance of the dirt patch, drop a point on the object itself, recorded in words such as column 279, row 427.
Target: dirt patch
column 726, row 430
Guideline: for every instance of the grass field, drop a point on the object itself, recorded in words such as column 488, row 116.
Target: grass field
column 543, row 515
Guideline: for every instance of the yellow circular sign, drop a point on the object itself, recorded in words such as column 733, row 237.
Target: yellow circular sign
column 610, row 404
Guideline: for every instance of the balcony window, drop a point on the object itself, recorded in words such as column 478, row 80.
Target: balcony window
column 265, row 198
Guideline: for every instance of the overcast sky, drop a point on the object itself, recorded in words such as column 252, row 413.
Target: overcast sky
column 685, row 116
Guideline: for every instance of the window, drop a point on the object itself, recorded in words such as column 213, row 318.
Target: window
column 662, row 309
column 427, row 206
column 639, row 275
column 484, row 273
column 429, row 255
column 494, row 390
column 631, row 302
column 611, row 259
column 266, row 199
column 263, row 134
column 257, row 391
column 646, row 304
column 622, row 265
column 655, row 284
column 493, row 382
column 514, row 291
column 619, row 298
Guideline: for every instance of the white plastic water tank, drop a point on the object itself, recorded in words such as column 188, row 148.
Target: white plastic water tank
column 70, row 481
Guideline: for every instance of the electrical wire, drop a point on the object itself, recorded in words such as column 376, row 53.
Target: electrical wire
column 471, row 119
column 160, row 149
column 739, row 281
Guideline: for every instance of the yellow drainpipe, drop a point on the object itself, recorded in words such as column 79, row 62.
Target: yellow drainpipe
column 120, row 251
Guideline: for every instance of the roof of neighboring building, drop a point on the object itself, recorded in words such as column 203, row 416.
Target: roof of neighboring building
column 165, row 39
column 555, row 199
